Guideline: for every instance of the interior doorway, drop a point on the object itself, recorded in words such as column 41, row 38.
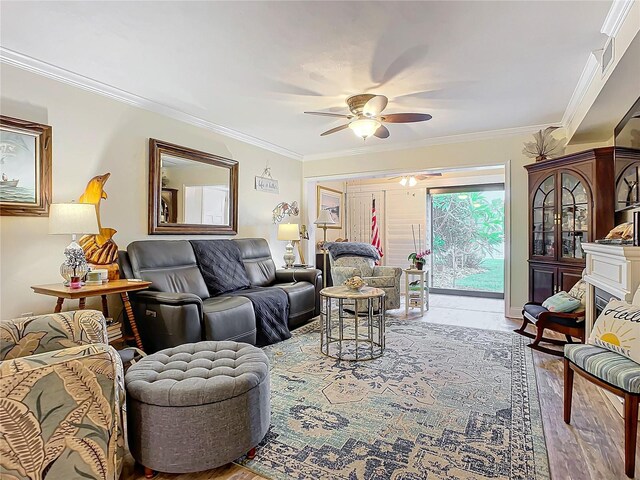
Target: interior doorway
column 467, row 235
column 403, row 212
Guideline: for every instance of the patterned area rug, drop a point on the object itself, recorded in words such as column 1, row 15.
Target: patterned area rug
column 443, row 402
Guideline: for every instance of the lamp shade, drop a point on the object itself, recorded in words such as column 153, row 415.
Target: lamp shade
column 325, row 218
column 73, row 218
column 364, row 127
column 289, row 231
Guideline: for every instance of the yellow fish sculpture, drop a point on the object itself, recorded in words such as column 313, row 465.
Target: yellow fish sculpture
column 100, row 249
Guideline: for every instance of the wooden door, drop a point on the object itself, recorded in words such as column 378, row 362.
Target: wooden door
column 568, row 277
column 542, row 281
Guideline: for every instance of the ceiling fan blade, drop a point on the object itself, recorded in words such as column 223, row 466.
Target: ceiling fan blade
column 329, row 114
column 422, row 176
column 334, row 130
column 382, row 132
column 406, row 117
column 375, row 106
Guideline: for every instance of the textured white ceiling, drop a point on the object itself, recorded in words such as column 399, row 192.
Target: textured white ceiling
column 256, row 66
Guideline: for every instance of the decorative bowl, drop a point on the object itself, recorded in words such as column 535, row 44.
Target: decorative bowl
column 354, row 283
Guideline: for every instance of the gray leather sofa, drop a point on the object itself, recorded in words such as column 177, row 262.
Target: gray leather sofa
column 178, row 309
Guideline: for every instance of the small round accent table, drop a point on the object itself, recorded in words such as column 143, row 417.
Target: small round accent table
column 352, row 323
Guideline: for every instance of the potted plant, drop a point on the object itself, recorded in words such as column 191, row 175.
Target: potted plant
column 419, row 258
column 544, row 145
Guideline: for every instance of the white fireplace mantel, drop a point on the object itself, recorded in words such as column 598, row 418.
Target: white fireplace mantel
column 612, row 268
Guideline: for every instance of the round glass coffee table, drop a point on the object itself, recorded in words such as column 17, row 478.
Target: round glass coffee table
column 352, row 323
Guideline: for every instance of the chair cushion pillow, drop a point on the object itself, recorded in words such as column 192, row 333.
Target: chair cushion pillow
column 609, row 366
column 561, row 302
column 362, row 264
column 618, row 329
column 578, row 291
column 532, row 312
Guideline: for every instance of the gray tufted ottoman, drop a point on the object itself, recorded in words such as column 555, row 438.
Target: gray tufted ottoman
column 197, row 406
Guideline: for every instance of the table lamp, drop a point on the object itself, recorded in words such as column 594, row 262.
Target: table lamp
column 323, row 220
column 289, row 232
column 73, row 219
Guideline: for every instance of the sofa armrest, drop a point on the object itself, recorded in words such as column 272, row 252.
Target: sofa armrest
column 84, row 395
column 168, row 298
column 166, row 319
column 310, row 275
column 387, row 272
column 46, row 333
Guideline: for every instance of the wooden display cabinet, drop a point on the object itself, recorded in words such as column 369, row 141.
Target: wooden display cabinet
column 572, row 200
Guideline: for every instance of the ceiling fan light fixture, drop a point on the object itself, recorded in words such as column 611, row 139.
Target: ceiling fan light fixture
column 364, row 127
column 403, row 181
column 412, row 181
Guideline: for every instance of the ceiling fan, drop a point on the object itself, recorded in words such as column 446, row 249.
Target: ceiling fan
column 366, row 116
column 412, row 180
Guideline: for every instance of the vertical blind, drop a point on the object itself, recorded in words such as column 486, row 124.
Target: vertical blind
column 404, row 208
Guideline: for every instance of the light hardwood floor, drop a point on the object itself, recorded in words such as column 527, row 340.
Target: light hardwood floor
column 590, row 449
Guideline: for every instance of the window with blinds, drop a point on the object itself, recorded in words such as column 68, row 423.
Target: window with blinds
column 404, row 208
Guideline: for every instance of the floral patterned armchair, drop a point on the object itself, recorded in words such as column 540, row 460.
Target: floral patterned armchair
column 61, row 398
column 386, row 278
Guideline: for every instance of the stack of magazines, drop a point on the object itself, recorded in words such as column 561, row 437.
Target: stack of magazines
column 114, row 331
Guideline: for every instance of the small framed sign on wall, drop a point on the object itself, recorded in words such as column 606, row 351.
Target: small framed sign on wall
column 266, row 184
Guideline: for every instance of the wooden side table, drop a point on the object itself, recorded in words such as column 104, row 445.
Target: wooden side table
column 421, row 295
column 114, row 287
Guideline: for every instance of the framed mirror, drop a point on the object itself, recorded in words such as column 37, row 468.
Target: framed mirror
column 191, row 192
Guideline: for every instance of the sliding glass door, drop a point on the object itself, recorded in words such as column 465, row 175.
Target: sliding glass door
column 467, row 238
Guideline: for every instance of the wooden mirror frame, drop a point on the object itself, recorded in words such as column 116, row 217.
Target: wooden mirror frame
column 156, row 149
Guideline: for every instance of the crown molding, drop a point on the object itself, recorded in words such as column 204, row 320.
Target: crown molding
column 611, row 26
column 31, row 64
column 464, row 137
column 615, row 17
column 586, row 77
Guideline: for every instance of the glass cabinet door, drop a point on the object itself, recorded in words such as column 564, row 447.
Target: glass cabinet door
column 627, row 187
column 574, row 216
column 544, row 214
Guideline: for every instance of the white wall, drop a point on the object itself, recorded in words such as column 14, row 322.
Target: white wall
column 93, row 134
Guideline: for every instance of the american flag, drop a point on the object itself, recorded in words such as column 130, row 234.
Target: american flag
column 375, row 232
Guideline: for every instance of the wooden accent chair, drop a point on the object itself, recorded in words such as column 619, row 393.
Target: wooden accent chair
column 613, row 372
column 570, row 324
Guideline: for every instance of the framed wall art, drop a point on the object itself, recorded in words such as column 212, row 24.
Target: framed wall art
column 25, row 167
column 333, row 201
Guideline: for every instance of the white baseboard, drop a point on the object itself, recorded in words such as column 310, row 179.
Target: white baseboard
column 513, row 312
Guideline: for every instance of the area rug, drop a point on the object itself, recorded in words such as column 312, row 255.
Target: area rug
column 443, row 402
